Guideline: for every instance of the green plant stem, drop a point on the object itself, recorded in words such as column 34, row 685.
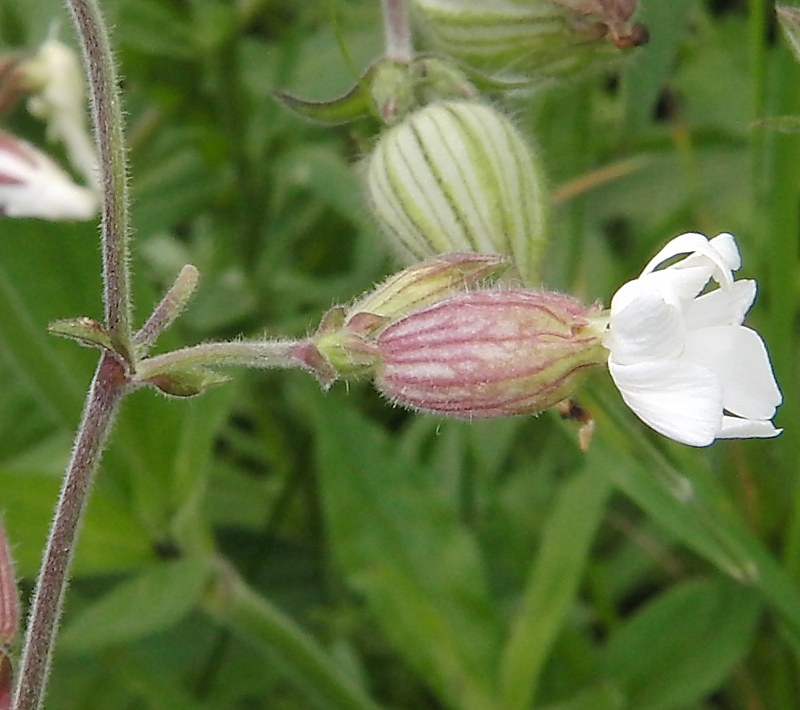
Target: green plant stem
column 397, row 30
column 259, row 354
column 106, row 106
column 102, row 400
column 167, row 311
column 238, row 607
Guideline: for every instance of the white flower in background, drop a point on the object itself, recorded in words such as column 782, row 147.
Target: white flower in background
column 33, row 185
column 55, row 78
column 679, row 354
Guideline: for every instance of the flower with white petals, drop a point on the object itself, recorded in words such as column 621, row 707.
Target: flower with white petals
column 56, row 80
column 679, row 354
column 33, row 185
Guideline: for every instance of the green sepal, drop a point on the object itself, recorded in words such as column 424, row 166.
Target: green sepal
column 388, row 89
column 86, row 331
column 186, row 382
column 348, row 107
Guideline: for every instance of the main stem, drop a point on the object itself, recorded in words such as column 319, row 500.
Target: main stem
column 111, row 377
column 109, row 135
column 99, row 411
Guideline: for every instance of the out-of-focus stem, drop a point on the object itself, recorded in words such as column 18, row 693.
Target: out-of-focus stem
column 397, row 30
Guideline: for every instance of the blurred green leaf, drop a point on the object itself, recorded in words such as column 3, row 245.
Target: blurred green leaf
column 111, row 539
column 553, row 583
column 150, row 601
column 401, row 545
column 683, row 644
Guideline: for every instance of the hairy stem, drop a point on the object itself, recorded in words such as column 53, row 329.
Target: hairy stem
column 260, row 354
column 108, row 129
column 397, row 30
column 106, row 390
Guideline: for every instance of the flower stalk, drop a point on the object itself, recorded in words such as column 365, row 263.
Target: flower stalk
column 397, row 30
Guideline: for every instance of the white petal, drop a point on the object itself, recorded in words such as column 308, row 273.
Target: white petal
column 680, row 400
column 738, row 357
column 725, row 245
column 735, row 428
column 677, row 285
column 646, row 328
column 723, row 306
column 698, row 246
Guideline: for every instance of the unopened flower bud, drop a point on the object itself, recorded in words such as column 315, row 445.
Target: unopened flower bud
column 458, row 176
column 424, row 283
column 9, row 601
column 33, row 185
column 490, row 353
column 535, row 38
column 343, row 345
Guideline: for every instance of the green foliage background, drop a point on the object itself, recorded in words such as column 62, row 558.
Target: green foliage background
column 424, row 563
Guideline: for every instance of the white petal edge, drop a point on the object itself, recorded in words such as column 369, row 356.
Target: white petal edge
column 682, row 401
column 735, row 428
column 739, row 358
column 726, row 306
column 692, row 243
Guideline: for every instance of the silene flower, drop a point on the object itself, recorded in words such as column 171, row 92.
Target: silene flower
column 678, row 351
column 674, row 344
column 33, row 185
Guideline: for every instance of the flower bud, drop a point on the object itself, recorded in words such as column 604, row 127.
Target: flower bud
column 9, row 601
column 489, row 353
column 33, row 185
column 538, row 38
column 457, row 176
column 343, row 345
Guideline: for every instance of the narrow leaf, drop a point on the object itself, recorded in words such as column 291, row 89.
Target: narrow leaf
column 152, row 600
column 683, row 645
column 552, row 585
column 399, row 540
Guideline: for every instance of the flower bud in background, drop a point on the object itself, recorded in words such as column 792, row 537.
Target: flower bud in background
column 679, row 354
column 490, row 353
column 535, row 38
column 54, row 77
column 458, row 176
column 33, row 185
column 9, row 618
column 10, row 80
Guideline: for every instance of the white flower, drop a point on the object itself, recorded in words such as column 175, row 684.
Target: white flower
column 33, row 185
column 679, row 354
column 55, row 77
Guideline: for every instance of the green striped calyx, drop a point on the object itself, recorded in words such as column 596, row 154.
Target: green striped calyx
column 539, row 39
column 457, row 176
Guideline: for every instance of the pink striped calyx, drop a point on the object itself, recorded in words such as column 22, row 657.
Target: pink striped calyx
column 490, row 353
